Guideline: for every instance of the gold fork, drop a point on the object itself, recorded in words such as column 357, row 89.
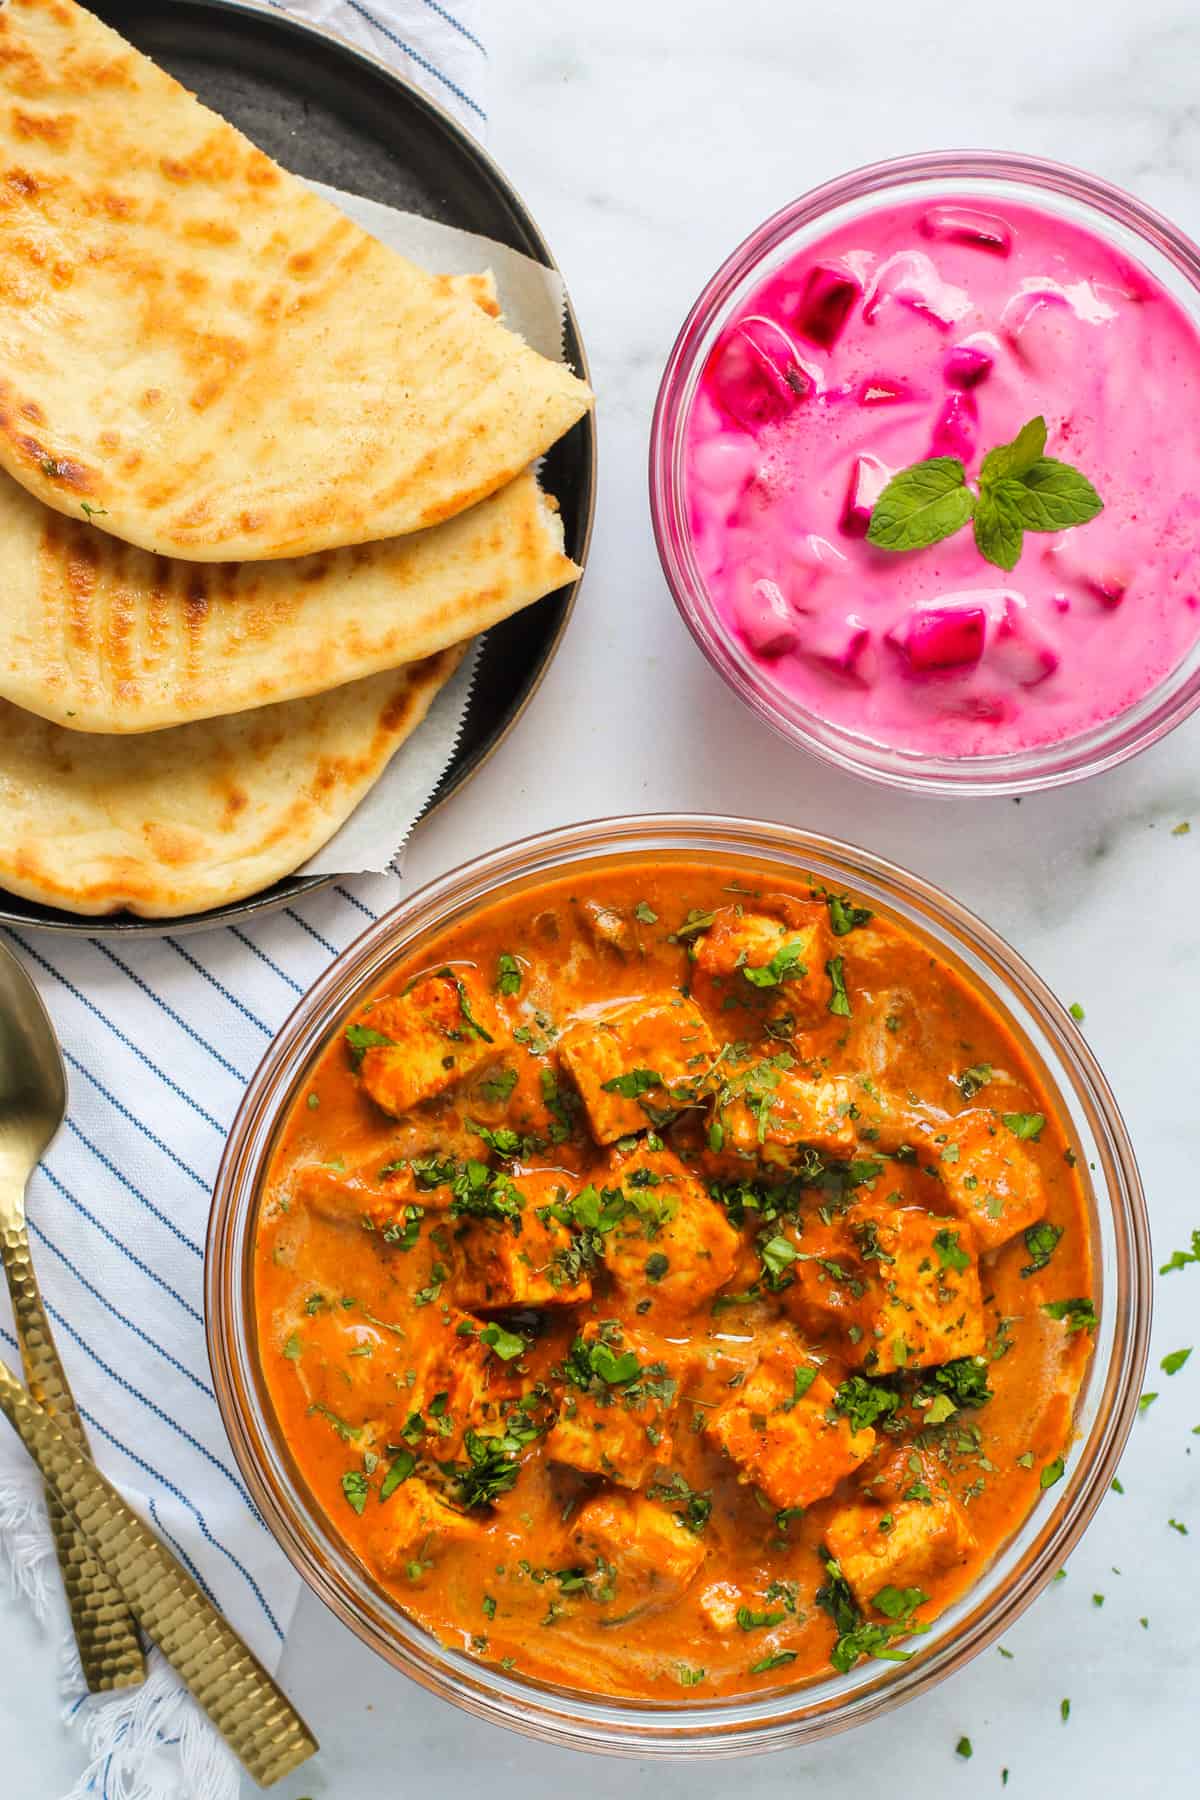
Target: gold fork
column 33, row 1103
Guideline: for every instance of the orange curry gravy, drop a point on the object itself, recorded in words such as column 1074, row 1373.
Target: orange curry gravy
column 675, row 1278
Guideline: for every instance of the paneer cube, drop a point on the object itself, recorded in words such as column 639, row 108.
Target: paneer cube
column 993, row 1181
column 675, row 1247
column 719, row 1603
column 831, row 1291
column 909, row 1545
column 781, row 1431
column 922, row 1303
column 636, row 1063
column 771, row 957
column 414, row 1046
column 417, row 1525
column 497, row 1265
column 775, row 1114
column 617, row 1395
column 363, row 1197
column 457, row 1382
column 651, row 1555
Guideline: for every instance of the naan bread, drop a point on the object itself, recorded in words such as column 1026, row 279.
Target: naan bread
column 203, row 814
column 212, row 358
column 101, row 637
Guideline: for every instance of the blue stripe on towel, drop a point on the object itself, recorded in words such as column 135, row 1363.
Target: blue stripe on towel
column 162, row 1217
column 102, row 1299
column 120, row 1036
column 226, row 993
column 115, row 1241
column 132, row 1118
column 175, row 1017
column 415, row 56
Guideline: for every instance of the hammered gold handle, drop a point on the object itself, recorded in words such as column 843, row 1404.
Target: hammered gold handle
column 252, row 1714
column 110, row 1650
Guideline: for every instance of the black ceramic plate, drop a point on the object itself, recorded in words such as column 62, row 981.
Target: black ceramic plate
column 329, row 112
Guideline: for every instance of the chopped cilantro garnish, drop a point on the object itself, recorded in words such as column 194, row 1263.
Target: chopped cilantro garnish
column 399, row 1469
column 361, row 1038
column 971, row 1080
column 786, row 965
column 1041, row 1241
column 964, row 1381
column 802, row 1379
column 844, row 916
column 498, row 1085
column 749, row 1620
column 865, row 1402
column 464, row 1005
column 964, row 1748
column 695, row 923
column 778, row 1254
column 1025, row 1125
column 692, row 1506
column 1080, row 1315
column 950, row 1253
column 633, row 1083
column 356, row 1487
column 506, row 1344
column 1172, row 1364
column 1052, row 1473
column 645, row 914
column 508, row 974
column 775, row 1661
column 1181, row 1258
column 839, row 1001
column 492, row 1466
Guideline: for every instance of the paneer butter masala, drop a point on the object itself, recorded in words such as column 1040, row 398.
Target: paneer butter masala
column 676, row 1278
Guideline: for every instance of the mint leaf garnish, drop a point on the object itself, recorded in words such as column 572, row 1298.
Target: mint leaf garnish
column 1052, row 496
column 921, row 505
column 1020, row 489
column 998, row 529
column 1016, row 458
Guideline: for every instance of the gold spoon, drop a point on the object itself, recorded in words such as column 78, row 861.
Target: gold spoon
column 253, row 1715
column 33, row 1103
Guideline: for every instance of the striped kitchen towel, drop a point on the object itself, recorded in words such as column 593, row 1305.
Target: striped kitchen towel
column 160, row 1037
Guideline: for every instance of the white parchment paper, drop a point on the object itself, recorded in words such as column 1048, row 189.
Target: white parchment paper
column 373, row 837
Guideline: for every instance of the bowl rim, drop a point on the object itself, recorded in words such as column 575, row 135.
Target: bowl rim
column 1103, row 747
column 783, row 1717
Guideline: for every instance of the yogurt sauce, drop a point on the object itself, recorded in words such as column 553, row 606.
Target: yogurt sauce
column 939, row 329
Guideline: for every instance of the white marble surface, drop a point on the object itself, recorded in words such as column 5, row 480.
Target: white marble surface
column 648, row 138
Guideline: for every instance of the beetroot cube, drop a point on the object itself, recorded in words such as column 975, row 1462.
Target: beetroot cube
column 941, row 637
column 967, row 365
column 829, row 293
column 868, row 478
column 954, row 433
column 755, row 375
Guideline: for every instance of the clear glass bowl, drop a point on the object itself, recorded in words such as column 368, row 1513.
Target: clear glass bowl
column 1106, row 1407
column 975, row 175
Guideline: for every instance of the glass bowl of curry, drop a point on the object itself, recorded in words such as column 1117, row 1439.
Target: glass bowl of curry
column 678, row 1285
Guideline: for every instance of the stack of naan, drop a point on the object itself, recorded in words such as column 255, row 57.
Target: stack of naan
column 261, row 481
